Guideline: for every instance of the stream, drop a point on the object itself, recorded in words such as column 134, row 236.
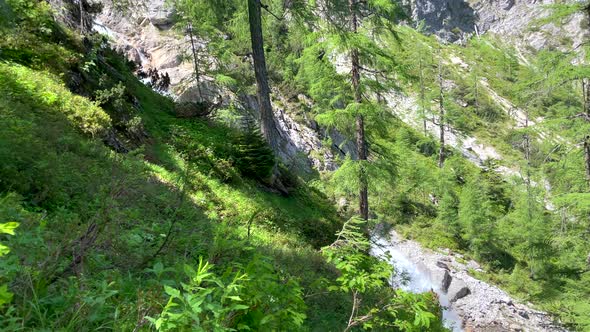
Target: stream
column 468, row 303
column 411, row 278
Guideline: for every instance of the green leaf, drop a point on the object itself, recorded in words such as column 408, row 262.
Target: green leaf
column 172, row 291
column 4, row 250
column 8, row 228
column 5, row 295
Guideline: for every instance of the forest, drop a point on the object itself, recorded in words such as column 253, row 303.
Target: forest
column 235, row 165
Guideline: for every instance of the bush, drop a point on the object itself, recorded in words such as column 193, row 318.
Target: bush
column 255, row 300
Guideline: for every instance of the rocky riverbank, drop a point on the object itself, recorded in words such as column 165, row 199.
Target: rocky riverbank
column 478, row 305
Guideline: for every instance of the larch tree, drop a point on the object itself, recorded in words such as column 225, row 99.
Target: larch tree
column 441, row 116
column 208, row 16
column 195, row 59
column 581, row 72
column 361, row 143
column 267, row 120
column 354, row 31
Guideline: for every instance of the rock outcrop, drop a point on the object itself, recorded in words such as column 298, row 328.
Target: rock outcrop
column 453, row 20
column 146, row 34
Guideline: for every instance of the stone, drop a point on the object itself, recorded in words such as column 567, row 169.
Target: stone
column 461, row 293
column 446, row 282
column 159, row 14
column 458, row 290
column 442, row 265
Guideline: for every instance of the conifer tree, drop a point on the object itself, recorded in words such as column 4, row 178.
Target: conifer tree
column 582, row 73
column 267, row 120
column 254, row 158
column 441, row 117
column 361, row 144
column 367, row 60
column 195, row 59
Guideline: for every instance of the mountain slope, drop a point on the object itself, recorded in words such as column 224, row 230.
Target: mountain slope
column 145, row 203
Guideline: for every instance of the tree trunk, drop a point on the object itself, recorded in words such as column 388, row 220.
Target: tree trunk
column 586, row 92
column 476, row 93
column 360, row 122
column 527, row 147
column 422, row 97
column 81, row 2
column 586, row 88
column 587, row 157
column 195, row 59
column 267, row 121
column 441, row 120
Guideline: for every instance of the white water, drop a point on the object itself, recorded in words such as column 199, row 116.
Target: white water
column 101, row 28
column 411, row 278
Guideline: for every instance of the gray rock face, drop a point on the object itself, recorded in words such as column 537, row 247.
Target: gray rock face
column 447, row 18
column 160, row 14
column 139, row 34
column 452, row 20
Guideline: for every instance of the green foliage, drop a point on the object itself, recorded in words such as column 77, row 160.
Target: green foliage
column 476, row 216
column 362, row 276
column 206, row 303
column 254, row 158
column 22, row 84
column 527, row 232
column 91, row 220
column 250, row 300
column 6, row 228
column 187, row 191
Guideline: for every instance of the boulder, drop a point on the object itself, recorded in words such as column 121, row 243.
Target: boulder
column 159, row 14
column 458, row 290
column 441, row 277
column 446, row 282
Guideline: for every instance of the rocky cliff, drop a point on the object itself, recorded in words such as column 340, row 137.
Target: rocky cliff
column 146, row 34
column 455, row 20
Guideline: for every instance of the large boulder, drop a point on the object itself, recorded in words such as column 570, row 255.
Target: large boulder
column 458, row 290
column 160, row 14
column 441, row 277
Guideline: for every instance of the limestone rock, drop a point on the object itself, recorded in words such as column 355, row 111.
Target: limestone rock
column 160, row 14
column 458, row 290
column 453, row 20
column 446, row 282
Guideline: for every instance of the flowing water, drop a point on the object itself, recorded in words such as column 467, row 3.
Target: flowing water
column 411, row 278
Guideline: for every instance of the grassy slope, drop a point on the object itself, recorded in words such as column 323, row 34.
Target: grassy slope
column 121, row 214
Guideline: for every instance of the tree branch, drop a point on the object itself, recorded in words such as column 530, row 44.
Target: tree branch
column 265, row 7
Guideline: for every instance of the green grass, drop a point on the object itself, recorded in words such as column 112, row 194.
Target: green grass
column 175, row 199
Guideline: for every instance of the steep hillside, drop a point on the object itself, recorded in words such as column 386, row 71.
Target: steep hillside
column 138, row 191
column 114, row 204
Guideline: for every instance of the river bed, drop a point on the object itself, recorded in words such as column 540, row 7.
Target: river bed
column 468, row 304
